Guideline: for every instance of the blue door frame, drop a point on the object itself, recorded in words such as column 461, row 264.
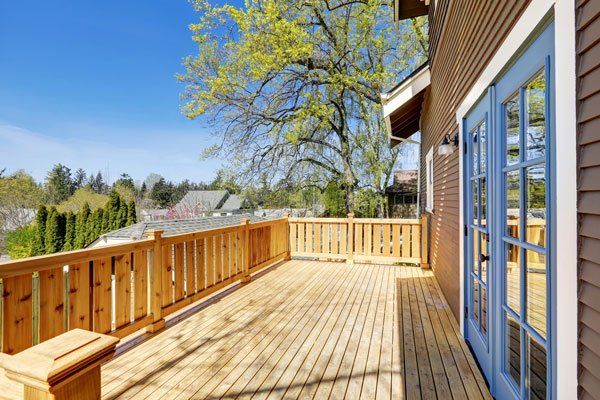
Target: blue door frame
column 478, row 247
column 515, row 351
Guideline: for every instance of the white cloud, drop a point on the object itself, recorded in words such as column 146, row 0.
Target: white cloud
column 175, row 156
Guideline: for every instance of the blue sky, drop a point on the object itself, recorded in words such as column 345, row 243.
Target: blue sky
column 91, row 84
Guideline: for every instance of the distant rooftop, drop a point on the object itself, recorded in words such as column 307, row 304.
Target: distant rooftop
column 233, row 202
column 178, row 226
column 204, row 200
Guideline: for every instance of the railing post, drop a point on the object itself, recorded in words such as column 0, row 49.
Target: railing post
column 155, row 285
column 62, row 368
column 424, row 243
column 350, row 244
column 287, row 237
column 246, row 224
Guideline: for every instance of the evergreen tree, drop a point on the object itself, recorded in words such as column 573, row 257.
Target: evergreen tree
column 39, row 239
column 81, row 224
column 96, row 225
column 69, row 243
column 123, row 214
column 80, row 179
column 162, row 193
column 59, row 185
column 131, row 214
column 105, row 220
column 55, row 231
column 112, row 207
column 98, row 185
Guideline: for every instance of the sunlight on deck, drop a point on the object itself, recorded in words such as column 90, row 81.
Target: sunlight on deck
column 304, row 330
column 308, row 330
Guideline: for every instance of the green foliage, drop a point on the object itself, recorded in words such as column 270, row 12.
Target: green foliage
column 39, row 240
column 69, row 242
column 370, row 204
column 162, row 193
column 294, row 87
column 96, row 225
column 80, row 197
column 82, row 226
column 122, row 214
column 131, row 214
column 113, row 207
column 334, row 200
column 225, row 181
column 18, row 194
column 55, row 231
column 19, row 243
column 59, row 185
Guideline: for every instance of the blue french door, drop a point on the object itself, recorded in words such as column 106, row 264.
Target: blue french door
column 478, row 233
column 509, row 199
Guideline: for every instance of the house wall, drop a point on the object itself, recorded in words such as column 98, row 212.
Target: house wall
column 588, row 140
column 463, row 37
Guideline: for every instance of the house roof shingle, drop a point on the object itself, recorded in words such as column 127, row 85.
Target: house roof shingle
column 177, row 226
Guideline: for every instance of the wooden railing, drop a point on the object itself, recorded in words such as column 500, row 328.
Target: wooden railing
column 122, row 288
column 360, row 239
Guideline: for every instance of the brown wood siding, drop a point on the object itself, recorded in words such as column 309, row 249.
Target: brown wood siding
column 464, row 36
column 588, row 139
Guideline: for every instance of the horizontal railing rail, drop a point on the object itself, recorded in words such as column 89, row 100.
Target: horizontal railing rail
column 119, row 289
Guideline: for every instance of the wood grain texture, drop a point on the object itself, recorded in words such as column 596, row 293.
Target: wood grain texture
column 179, row 269
column 140, row 284
column 80, row 300
column 315, row 330
column 102, row 295
column 122, row 290
column 17, row 314
column 52, row 303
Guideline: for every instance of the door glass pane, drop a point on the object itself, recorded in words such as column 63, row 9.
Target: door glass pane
column 482, row 147
column 536, row 291
column 476, row 300
column 475, row 152
column 536, row 369
column 475, row 192
column 483, row 205
column 535, row 134
column 512, row 130
column 512, row 350
column 512, row 204
column 475, row 252
column 513, row 278
column 483, row 309
column 536, row 205
column 484, row 251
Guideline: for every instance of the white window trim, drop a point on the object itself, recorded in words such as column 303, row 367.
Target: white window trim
column 429, row 181
column 566, row 169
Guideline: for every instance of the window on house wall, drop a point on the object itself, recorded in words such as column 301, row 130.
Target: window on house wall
column 429, row 177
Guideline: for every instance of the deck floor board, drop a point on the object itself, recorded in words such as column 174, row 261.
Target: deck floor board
column 308, row 330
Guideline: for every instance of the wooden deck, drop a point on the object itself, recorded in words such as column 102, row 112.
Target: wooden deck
column 308, row 329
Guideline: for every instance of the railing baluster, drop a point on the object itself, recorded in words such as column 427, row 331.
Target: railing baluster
column 156, row 280
column 102, row 295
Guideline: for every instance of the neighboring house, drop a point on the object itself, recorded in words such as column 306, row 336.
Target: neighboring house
column 156, row 214
column 170, row 227
column 201, row 203
column 403, row 194
column 508, row 107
